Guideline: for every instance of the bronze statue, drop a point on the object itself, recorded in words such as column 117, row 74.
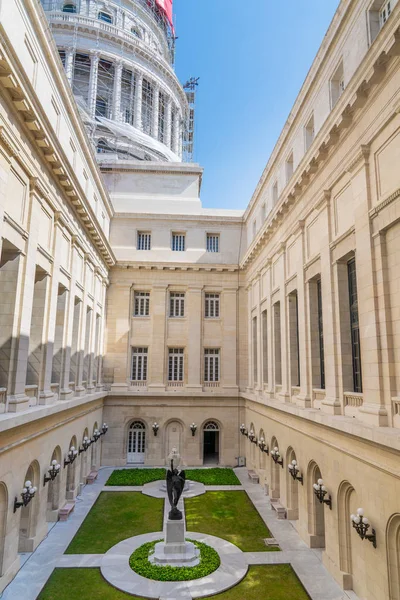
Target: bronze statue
column 175, row 484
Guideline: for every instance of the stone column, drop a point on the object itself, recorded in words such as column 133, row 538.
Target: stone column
column 138, row 100
column 304, row 398
column 116, row 107
column 69, row 63
column 156, row 110
column 176, row 126
column 373, row 410
column 94, row 70
column 80, row 390
column 65, row 392
column 194, row 352
column 168, row 122
column 157, row 376
column 99, row 383
column 249, row 292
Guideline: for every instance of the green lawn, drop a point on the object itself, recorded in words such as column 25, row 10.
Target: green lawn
column 114, row 517
column 266, row 582
column 212, row 476
column 228, row 515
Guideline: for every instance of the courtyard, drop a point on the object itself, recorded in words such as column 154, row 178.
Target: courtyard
column 259, row 557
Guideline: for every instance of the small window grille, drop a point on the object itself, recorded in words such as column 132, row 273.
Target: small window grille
column 142, row 304
column 212, row 242
column 143, row 240
column 176, row 304
column 178, row 242
column 175, row 364
column 211, row 306
column 211, row 364
column 139, row 364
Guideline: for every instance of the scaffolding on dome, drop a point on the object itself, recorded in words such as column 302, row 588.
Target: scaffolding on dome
column 188, row 136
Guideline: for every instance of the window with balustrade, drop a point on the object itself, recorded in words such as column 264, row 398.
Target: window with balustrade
column 211, row 365
column 141, row 304
column 102, row 15
column 139, row 364
column 175, row 364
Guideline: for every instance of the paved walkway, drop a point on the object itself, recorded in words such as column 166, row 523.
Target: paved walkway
column 50, row 553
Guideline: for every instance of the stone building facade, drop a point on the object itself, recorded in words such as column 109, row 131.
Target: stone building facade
column 124, row 301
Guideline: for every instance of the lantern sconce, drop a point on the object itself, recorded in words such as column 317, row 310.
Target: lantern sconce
column 85, row 444
column 53, row 472
column 243, row 430
column 104, row 429
column 96, row 435
column 361, row 524
column 193, row 429
column 252, row 437
column 294, row 471
column 320, row 491
column 276, row 457
column 71, row 456
column 263, row 446
column 155, row 427
column 27, row 494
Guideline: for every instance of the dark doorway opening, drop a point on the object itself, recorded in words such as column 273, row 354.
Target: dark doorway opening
column 211, row 443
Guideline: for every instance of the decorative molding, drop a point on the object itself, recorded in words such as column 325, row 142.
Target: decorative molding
column 18, row 228
column 342, row 237
column 377, row 209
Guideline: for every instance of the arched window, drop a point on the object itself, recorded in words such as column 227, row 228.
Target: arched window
column 136, row 442
column 69, row 7
column 104, row 16
column 211, row 426
column 136, row 32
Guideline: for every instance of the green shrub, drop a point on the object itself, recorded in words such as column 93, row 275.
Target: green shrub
column 215, row 476
column 139, row 562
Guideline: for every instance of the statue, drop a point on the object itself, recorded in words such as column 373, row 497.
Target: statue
column 175, row 484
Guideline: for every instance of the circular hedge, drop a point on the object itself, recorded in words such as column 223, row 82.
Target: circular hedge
column 139, row 562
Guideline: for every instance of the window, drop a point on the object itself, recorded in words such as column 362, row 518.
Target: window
column 263, row 212
column 212, row 242
column 176, row 304
column 321, row 336
column 139, row 364
column 178, row 242
column 337, row 85
column 142, row 304
column 265, row 345
column 69, row 7
column 175, row 364
column 211, row 364
column 386, row 11
column 354, row 325
column 289, row 167
column 211, row 306
column 254, row 228
column 275, row 193
column 255, row 352
column 143, row 240
column 136, row 32
column 104, row 16
column 309, row 132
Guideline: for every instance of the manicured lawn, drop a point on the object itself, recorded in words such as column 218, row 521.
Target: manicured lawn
column 228, row 515
column 214, row 476
column 114, row 517
column 266, row 582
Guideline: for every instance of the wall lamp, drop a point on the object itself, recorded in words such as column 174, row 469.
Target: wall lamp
column 243, row 430
column 104, row 429
column 85, row 444
column 294, row 471
column 193, row 429
column 252, row 437
column 71, row 456
column 263, row 446
column 276, row 457
column 53, row 472
column 361, row 524
column 320, row 491
column 96, row 435
column 155, row 427
column 27, row 494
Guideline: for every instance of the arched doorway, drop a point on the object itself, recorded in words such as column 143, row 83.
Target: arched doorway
column 29, row 513
column 292, row 489
column 275, row 473
column 393, row 556
column 71, row 474
column 316, row 515
column 53, row 489
column 211, row 433
column 173, row 437
column 136, row 443
column 345, row 493
column 3, row 523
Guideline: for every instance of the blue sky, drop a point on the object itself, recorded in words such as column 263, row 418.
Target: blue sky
column 252, row 57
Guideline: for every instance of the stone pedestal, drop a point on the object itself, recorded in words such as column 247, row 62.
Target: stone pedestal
column 175, row 550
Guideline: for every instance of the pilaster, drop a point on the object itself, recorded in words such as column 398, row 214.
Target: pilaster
column 158, row 301
column 194, row 350
column 116, row 109
column 94, row 70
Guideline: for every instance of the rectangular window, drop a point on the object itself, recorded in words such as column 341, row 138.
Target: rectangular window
column 176, row 304
column 255, row 369
column 139, row 364
column 337, row 85
column 354, row 326
column 211, row 364
column 293, row 315
column 142, row 304
column 265, row 345
column 309, row 132
column 178, row 242
column 386, row 11
column 254, row 228
column 144, row 240
column 275, row 193
column 212, row 242
column 321, row 336
column 289, row 167
column 263, row 212
column 211, row 306
column 175, row 364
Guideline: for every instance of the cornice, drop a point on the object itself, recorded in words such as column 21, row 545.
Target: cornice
column 176, row 267
column 220, row 219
